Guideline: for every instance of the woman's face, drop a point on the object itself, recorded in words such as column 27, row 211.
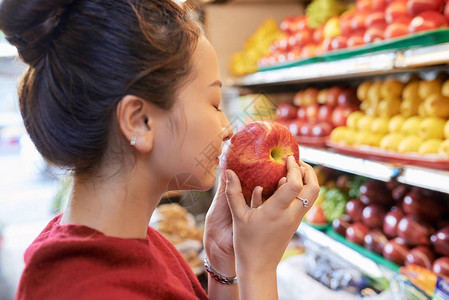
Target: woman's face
column 192, row 142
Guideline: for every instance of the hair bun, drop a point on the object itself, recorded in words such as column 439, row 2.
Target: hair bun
column 30, row 25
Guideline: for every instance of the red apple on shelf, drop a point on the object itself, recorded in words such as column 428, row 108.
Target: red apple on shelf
column 419, row 205
column 358, row 21
column 301, row 113
column 286, row 111
column 414, row 231
column 356, row 233
column 326, row 45
column 325, row 113
column 339, row 42
column 446, row 12
column 354, row 209
column 303, row 38
column 294, row 54
column 391, row 221
column 375, row 18
column 441, row 266
column 285, row 25
column 375, row 192
column 427, row 20
column 395, row 251
column 332, row 95
column 321, row 129
column 356, row 41
column 379, row 5
column 399, row 192
column 415, row 7
column 258, row 155
column 298, row 98
column 374, row 34
column 322, row 96
column 341, row 224
column 341, row 113
column 373, row 215
column 318, row 34
column 306, row 129
column 295, row 126
column 421, row 256
column 440, row 241
column 316, row 215
column 363, row 5
column 308, row 51
column 396, row 10
column 375, row 241
column 312, row 111
column 395, row 30
column 348, row 97
column 310, row 96
column 345, row 23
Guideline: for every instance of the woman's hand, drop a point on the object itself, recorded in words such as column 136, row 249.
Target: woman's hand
column 262, row 232
column 218, row 242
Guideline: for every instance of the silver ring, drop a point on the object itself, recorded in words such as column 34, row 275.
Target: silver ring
column 305, row 202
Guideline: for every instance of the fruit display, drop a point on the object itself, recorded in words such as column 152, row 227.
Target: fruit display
column 325, row 28
column 406, row 225
column 410, row 117
column 258, row 155
column 257, row 46
column 314, row 112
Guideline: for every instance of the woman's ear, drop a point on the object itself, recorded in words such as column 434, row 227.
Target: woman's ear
column 135, row 122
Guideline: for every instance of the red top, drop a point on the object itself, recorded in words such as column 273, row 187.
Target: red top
column 78, row 262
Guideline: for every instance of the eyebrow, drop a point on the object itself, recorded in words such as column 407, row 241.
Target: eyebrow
column 218, row 82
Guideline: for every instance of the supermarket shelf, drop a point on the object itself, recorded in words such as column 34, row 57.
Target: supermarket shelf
column 368, row 64
column 422, row 177
column 351, row 256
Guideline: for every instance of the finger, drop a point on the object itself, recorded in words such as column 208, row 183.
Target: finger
column 287, row 192
column 303, row 171
column 234, row 195
column 282, row 181
column 309, row 192
column 256, row 198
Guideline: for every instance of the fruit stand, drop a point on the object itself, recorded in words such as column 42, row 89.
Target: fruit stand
column 404, row 68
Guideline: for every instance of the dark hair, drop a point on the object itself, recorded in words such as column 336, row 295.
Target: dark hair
column 83, row 57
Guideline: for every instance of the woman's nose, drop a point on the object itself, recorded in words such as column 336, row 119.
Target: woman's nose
column 227, row 130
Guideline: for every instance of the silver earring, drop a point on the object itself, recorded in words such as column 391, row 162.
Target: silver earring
column 133, row 140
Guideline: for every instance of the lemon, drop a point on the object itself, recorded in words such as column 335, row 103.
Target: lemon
column 410, row 144
column 391, row 141
column 430, row 146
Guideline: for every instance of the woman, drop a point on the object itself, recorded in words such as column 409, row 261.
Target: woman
column 126, row 95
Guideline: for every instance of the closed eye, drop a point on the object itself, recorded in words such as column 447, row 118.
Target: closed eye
column 218, row 108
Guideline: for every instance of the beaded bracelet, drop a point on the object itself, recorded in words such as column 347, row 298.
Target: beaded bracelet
column 217, row 276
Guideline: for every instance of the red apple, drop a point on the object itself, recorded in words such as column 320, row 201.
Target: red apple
column 446, row 12
column 258, row 155
column 300, row 23
column 318, row 34
column 326, row 45
column 341, row 224
column 396, row 10
column 418, row 6
column 428, row 20
column 312, row 111
column 339, row 42
column 356, row 233
column 355, row 41
column 295, row 126
column 379, row 5
column 325, row 113
column 307, row 51
column 375, row 192
column 303, row 37
column 358, row 21
column 440, row 241
column 363, row 5
column 348, row 97
column 419, row 205
column 374, row 34
column 316, row 215
column 441, row 266
column 375, row 241
column 414, row 231
column 321, row 129
column 298, row 98
column 421, row 256
column 301, row 113
column 306, row 130
column 286, row 111
column 375, row 18
column 345, row 23
column 373, row 216
column 391, row 221
column 286, row 24
column 310, row 96
column 399, row 192
column 354, row 209
column 332, row 95
column 395, row 251
column 395, row 30
column 341, row 113
column 294, row 54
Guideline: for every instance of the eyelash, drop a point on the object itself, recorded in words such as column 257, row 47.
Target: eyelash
column 218, row 108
